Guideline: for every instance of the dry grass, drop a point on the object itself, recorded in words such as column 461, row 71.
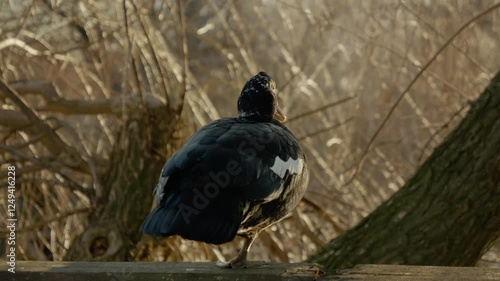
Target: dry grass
column 319, row 52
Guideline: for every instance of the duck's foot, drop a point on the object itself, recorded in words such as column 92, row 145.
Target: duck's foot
column 228, row 264
column 240, row 260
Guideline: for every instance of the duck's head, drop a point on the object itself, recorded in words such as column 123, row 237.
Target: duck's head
column 258, row 100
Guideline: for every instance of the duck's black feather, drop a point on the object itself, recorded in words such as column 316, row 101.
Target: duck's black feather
column 236, row 155
column 233, row 176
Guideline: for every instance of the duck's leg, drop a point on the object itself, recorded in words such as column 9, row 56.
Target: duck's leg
column 240, row 260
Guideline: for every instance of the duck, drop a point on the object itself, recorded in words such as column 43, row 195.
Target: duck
column 233, row 177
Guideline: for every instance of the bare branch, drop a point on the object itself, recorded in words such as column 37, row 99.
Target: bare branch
column 184, row 49
column 163, row 76
column 319, row 109
column 30, row 50
column 51, row 140
column 328, row 215
column 444, row 126
column 47, row 221
column 56, row 104
column 98, row 106
column 326, row 129
column 55, row 168
column 25, row 17
column 13, row 119
column 413, row 81
column 43, row 88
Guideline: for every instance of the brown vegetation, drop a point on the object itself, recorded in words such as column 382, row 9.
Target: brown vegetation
column 95, row 101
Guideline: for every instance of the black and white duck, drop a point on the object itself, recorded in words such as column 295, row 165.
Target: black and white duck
column 234, row 176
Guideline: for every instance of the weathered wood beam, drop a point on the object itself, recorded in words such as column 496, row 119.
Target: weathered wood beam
column 375, row 272
column 145, row 271
column 149, row 271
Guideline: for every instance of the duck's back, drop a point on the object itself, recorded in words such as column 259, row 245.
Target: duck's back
column 233, row 174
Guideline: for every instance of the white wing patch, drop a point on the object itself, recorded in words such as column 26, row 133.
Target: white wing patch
column 158, row 192
column 294, row 166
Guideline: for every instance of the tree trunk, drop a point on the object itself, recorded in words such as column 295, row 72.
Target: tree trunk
column 136, row 161
column 448, row 213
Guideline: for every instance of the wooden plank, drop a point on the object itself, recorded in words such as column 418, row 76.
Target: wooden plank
column 426, row 273
column 145, row 271
column 130, row 271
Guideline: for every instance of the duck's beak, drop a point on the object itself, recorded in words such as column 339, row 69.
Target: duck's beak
column 279, row 115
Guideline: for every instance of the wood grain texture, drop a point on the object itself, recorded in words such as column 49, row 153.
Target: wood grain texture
column 129, row 271
column 145, row 271
column 411, row 272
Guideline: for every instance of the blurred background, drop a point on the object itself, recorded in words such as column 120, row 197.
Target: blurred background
column 120, row 85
